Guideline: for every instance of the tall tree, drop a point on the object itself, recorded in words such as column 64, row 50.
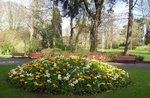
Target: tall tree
column 93, row 9
column 129, row 29
column 95, row 15
column 71, row 10
column 56, row 27
column 34, row 18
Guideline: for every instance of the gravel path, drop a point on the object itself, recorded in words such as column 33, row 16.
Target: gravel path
column 131, row 66
column 13, row 61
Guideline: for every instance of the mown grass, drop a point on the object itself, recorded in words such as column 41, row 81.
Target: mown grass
column 5, row 56
column 139, row 88
column 145, row 54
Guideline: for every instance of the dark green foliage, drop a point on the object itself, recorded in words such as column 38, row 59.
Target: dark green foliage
column 70, row 7
column 147, row 38
column 6, row 48
column 56, row 26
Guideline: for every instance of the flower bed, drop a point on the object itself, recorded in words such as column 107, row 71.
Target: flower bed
column 62, row 75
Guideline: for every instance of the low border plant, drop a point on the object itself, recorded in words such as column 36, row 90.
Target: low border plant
column 73, row 75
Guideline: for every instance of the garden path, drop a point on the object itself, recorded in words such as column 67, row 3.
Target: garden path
column 130, row 66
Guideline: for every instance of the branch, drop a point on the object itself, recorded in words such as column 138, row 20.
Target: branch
column 87, row 9
column 134, row 4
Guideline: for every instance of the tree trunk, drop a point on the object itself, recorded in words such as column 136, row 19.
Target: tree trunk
column 77, row 40
column 71, row 35
column 96, row 18
column 94, row 35
column 129, row 29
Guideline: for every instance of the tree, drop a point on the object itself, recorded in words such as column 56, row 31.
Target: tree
column 95, row 15
column 56, row 27
column 129, row 29
column 82, row 27
column 73, row 7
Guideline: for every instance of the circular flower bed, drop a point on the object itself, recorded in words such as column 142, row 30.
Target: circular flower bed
column 68, row 75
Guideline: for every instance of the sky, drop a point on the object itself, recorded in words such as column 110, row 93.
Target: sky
column 23, row 2
column 120, row 11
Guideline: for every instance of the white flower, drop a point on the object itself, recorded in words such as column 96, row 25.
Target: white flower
column 99, row 76
column 75, row 82
column 49, row 81
column 71, row 84
column 21, row 69
column 47, row 75
column 13, row 71
column 46, row 71
column 55, row 65
column 68, row 65
column 59, row 77
column 87, row 66
column 21, row 75
column 10, row 76
column 30, row 74
column 67, row 77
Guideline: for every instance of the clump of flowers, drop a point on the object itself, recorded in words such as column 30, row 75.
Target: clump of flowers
column 62, row 75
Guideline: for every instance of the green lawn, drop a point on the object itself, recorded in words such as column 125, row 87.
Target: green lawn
column 145, row 54
column 5, row 56
column 139, row 88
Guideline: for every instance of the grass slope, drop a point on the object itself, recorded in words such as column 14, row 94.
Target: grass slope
column 139, row 88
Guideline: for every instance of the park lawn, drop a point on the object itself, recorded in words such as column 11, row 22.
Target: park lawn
column 145, row 54
column 139, row 88
column 5, row 56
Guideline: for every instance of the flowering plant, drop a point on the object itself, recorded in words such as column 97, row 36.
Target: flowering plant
column 62, row 75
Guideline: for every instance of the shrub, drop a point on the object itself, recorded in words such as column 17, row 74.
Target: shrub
column 68, row 75
column 6, row 48
column 140, row 58
column 51, row 52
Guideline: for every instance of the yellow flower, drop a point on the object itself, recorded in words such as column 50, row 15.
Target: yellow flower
column 41, row 70
column 88, row 85
column 55, row 85
column 101, row 84
column 30, row 79
column 81, row 79
column 109, row 84
column 104, row 77
column 91, row 75
column 15, row 78
column 64, row 70
column 35, row 83
column 52, row 59
column 52, row 68
column 37, row 76
column 38, row 73
column 54, row 74
column 21, row 80
column 57, row 72
column 40, row 84
column 87, row 77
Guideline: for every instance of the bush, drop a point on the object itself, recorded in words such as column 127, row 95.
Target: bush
column 6, row 48
column 68, row 75
column 140, row 58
